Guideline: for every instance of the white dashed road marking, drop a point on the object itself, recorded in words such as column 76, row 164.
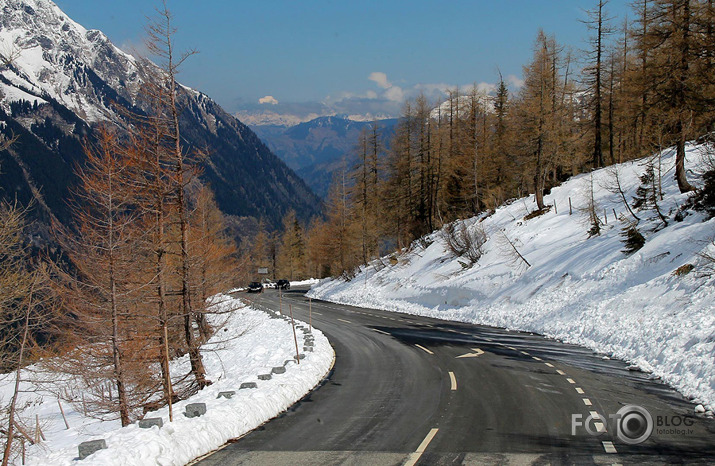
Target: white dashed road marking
column 571, row 381
column 414, row 457
column 424, row 349
column 579, row 390
column 587, row 402
column 453, row 381
column 346, row 321
column 560, row 372
column 608, row 446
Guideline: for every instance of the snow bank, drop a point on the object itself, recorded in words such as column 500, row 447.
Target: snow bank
column 249, row 344
column 310, row 281
column 579, row 289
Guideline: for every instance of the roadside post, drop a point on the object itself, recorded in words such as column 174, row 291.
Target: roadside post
column 295, row 337
column 310, row 314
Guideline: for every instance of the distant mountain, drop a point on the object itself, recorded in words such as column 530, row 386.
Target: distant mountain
column 291, row 114
column 318, row 148
column 59, row 81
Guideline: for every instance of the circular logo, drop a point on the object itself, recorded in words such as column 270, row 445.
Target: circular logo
column 634, row 424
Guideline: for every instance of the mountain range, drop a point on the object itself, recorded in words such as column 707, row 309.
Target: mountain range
column 319, row 148
column 60, row 81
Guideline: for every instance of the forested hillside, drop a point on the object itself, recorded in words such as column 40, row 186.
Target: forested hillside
column 320, row 148
column 642, row 86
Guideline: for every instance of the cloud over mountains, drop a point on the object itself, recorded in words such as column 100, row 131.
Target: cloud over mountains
column 383, row 99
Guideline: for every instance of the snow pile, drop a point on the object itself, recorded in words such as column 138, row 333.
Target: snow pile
column 309, row 281
column 249, row 344
column 578, row 289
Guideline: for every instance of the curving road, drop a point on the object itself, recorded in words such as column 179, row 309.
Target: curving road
column 415, row 390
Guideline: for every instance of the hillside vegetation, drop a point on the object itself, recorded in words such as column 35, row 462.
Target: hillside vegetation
column 551, row 274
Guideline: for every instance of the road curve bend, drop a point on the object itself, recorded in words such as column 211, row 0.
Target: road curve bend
column 409, row 390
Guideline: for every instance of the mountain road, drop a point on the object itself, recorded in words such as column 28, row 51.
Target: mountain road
column 409, row 390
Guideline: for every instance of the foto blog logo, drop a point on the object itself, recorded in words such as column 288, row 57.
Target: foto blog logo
column 632, row 424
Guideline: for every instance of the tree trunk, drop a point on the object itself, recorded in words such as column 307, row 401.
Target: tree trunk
column 13, row 404
column 680, row 175
column 163, row 318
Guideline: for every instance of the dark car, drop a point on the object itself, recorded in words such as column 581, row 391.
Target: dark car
column 283, row 285
column 255, row 287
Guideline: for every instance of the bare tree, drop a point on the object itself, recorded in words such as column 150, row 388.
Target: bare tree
column 614, row 186
column 161, row 44
column 25, row 310
column 594, row 72
column 100, row 292
column 508, row 247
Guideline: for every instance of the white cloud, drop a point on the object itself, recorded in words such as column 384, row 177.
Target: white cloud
column 515, row 81
column 269, row 99
column 394, row 94
column 430, row 89
column 136, row 47
column 485, row 88
column 380, row 78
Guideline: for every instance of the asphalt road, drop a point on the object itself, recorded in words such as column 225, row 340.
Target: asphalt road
column 415, row 390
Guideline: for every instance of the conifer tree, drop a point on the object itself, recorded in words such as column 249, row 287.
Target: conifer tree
column 102, row 293
column 161, row 44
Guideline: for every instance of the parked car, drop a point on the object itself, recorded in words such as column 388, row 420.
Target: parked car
column 268, row 283
column 283, row 284
column 255, row 287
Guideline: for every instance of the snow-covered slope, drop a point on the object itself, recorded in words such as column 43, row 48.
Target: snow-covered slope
column 578, row 289
column 248, row 344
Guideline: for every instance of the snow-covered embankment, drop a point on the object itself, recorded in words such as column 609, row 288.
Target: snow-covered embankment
column 250, row 343
column 578, row 289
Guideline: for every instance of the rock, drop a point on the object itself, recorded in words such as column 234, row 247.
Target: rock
column 91, row 446
column 149, row 422
column 195, row 409
column 227, row 394
column 248, row 385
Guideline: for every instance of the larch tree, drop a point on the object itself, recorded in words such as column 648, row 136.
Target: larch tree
column 213, row 256
column 594, row 72
column 291, row 253
column 153, row 181
column 677, row 73
column 100, row 292
column 161, row 44
column 535, row 113
column 26, row 301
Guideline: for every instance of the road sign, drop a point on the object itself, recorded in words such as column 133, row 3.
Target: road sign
column 262, row 270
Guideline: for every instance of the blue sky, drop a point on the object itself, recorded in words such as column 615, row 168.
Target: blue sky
column 311, row 51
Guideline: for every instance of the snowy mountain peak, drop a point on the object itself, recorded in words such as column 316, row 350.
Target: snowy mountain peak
column 51, row 55
column 58, row 79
